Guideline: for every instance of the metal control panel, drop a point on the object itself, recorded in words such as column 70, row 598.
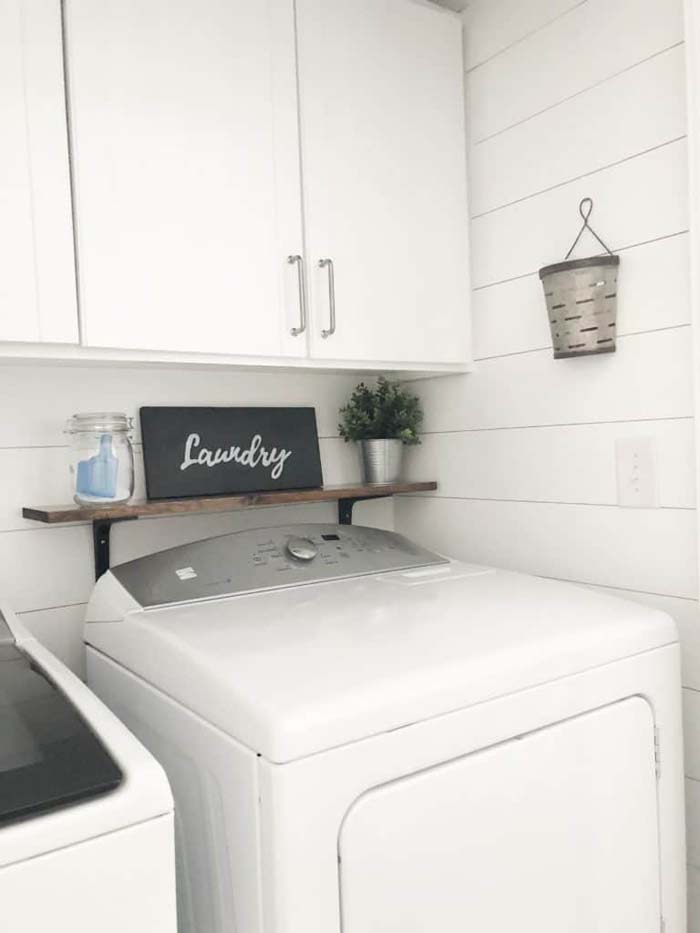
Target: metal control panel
column 265, row 559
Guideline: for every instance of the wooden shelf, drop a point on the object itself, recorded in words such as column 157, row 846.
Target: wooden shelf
column 58, row 514
column 103, row 517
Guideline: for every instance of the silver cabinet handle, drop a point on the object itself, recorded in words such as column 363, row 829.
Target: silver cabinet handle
column 299, row 260
column 328, row 263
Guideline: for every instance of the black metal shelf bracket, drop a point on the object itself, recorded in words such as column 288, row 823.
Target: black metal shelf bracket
column 345, row 506
column 101, row 528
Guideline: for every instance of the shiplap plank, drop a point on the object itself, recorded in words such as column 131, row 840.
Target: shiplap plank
column 648, row 378
column 39, row 475
column 36, row 400
column 691, row 733
column 136, row 539
column 654, row 293
column 595, row 41
column 691, row 736
column 651, row 550
column 60, row 629
column 378, row 513
column 47, row 567
column 593, row 130
column 31, row 472
column 686, row 614
column 692, row 819
column 643, row 199
column 693, row 899
column 490, row 27
column 574, row 464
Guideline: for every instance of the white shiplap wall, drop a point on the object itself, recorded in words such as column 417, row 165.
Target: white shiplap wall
column 566, row 99
column 46, row 572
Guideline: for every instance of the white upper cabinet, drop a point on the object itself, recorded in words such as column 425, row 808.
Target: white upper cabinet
column 37, row 276
column 383, row 142
column 186, row 167
column 197, row 125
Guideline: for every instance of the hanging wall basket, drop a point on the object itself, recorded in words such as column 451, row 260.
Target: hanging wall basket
column 581, row 296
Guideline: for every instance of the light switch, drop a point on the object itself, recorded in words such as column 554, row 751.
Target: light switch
column 636, row 472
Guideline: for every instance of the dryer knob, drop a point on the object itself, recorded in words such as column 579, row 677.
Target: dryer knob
column 302, row 548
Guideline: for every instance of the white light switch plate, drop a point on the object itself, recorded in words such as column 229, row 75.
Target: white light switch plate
column 635, row 461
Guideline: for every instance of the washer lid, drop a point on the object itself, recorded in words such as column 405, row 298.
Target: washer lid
column 49, row 757
column 61, row 750
column 292, row 672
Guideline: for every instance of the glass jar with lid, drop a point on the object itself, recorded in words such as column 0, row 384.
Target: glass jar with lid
column 102, row 458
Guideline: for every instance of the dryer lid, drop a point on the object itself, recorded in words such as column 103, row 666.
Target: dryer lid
column 291, row 672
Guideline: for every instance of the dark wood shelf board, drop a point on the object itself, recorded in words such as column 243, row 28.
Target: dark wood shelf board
column 59, row 514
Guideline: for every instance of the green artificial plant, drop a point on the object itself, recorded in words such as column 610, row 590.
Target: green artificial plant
column 386, row 411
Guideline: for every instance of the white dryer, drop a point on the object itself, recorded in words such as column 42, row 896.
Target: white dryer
column 365, row 737
column 86, row 814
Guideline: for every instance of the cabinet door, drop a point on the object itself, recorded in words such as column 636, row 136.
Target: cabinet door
column 383, row 143
column 37, row 270
column 184, row 126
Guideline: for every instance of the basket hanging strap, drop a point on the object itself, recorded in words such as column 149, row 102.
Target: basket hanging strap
column 585, row 209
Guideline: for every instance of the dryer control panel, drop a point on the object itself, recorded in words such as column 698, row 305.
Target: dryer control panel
column 267, row 558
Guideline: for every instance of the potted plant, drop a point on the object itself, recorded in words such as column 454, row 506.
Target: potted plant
column 382, row 421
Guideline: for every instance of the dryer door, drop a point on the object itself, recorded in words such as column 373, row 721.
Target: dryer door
column 553, row 831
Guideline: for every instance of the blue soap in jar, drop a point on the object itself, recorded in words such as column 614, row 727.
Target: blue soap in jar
column 102, row 458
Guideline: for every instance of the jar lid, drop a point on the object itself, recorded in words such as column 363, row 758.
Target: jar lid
column 100, row 421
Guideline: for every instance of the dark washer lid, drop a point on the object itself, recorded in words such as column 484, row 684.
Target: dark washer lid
column 48, row 756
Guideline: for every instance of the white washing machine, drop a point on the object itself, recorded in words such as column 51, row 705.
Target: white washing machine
column 86, row 814
column 364, row 737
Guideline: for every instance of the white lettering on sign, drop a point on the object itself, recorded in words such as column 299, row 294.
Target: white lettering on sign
column 251, row 456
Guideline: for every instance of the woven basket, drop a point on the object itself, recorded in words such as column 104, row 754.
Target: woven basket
column 581, row 297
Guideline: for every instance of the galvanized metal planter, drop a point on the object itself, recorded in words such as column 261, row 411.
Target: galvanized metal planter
column 581, row 296
column 382, row 460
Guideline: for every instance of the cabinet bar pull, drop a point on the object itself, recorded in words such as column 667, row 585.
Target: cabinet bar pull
column 328, row 263
column 299, row 260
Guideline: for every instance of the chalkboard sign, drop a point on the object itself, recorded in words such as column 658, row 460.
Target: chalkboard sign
column 215, row 451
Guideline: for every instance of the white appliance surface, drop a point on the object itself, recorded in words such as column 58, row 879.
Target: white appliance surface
column 425, row 745
column 105, row 862
column 588, row 784
column 292, row 671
